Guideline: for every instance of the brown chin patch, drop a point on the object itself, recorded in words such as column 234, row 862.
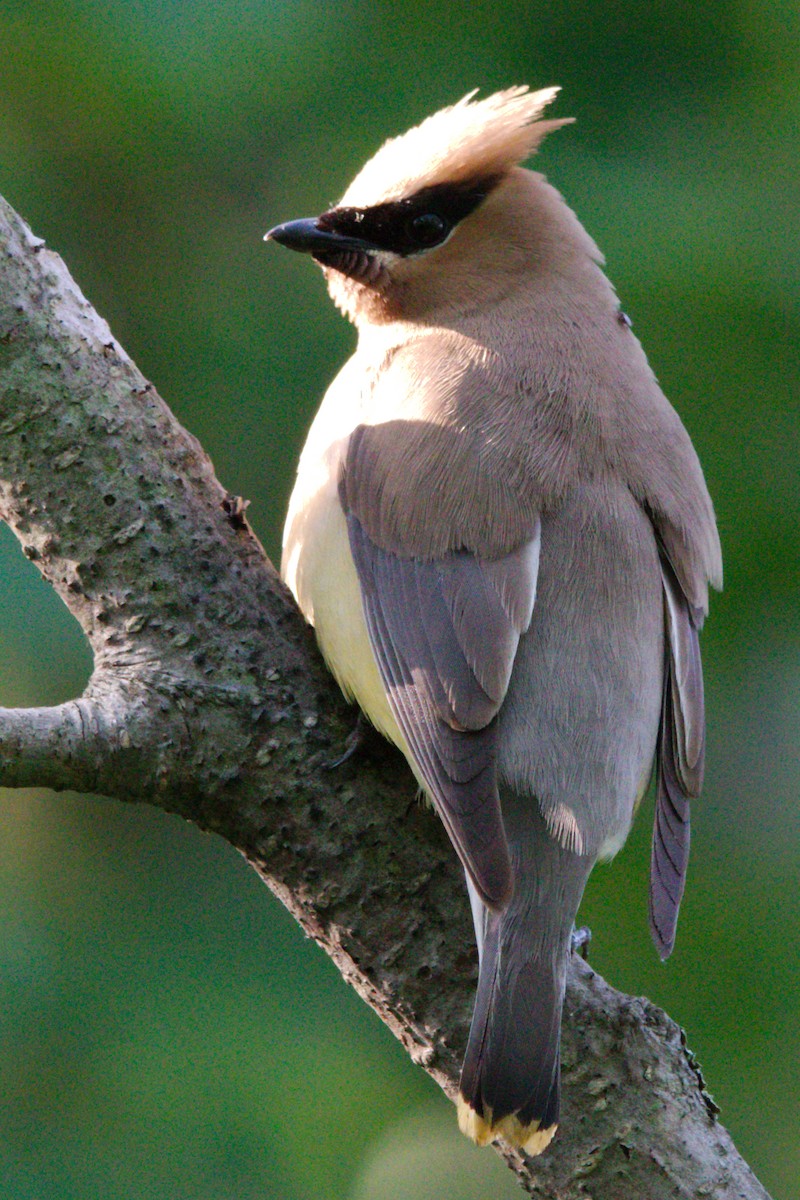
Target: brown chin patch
column 355, row 264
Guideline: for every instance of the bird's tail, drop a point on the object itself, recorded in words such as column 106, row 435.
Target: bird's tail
column 510, row 1084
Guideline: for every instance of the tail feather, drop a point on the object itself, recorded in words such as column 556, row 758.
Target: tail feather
column 510, row 1085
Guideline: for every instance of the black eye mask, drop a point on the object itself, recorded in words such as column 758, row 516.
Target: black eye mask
column 410, row 226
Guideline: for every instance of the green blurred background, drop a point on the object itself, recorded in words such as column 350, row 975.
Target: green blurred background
column 165, row 1031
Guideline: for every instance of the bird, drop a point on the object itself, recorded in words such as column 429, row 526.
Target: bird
column 502, row 536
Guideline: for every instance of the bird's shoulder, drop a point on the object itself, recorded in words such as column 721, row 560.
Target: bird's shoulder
column 435, row 460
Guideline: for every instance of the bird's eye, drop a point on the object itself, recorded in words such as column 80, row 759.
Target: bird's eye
column 428, row 229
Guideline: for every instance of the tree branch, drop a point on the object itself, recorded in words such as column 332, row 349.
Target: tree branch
column 208, row 698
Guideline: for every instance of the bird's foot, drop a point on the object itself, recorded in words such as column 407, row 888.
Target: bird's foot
column 579, row 941
column 355, row 740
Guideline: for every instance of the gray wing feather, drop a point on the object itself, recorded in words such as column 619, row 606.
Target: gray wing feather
column 444, row 634
column 680, row 761
column 491, row 605
column 514, row 578
column 688, row 707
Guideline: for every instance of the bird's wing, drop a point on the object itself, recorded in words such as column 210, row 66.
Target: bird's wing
column 680, row 759
column 445, row 632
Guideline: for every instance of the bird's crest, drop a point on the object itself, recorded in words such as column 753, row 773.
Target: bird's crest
column 472, row 139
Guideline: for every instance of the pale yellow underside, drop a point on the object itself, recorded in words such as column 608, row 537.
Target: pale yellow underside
column 325, row 584
column 529, row 1138
column 318, row 566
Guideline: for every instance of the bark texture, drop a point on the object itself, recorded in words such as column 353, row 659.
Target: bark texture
column 208, row 699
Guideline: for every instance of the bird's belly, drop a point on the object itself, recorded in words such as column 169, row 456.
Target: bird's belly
column 318, row 567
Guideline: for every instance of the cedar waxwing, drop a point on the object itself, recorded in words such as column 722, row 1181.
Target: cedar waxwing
column 502, row 536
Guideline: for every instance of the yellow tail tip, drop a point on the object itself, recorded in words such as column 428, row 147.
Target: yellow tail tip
column 530, row 1138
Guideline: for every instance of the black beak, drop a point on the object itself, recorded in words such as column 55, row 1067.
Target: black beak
column 307, row 236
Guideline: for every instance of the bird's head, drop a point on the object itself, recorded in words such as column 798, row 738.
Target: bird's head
column 437, row 219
